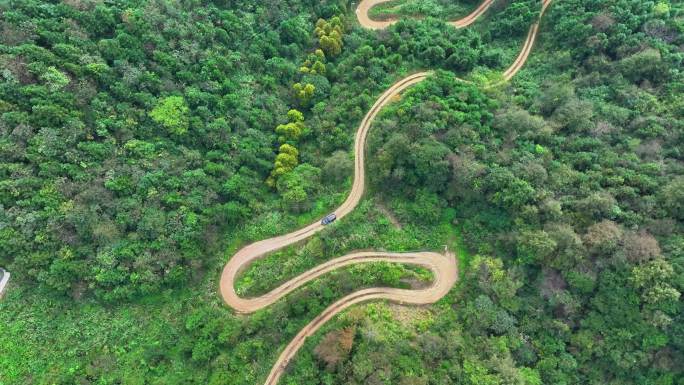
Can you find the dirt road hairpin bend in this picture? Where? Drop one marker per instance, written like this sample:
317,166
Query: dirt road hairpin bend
443,266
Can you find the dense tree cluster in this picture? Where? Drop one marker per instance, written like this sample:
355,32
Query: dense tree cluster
297,184
136,139
572,185
329,34
130,133
314,64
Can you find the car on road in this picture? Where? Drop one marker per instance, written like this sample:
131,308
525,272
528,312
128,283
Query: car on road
4,278
330,218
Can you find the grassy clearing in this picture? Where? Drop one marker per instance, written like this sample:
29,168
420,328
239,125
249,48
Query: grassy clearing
443,10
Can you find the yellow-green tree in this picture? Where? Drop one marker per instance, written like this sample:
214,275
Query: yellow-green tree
329,34
303,92
653,278
172,113
286,160
314,64
292,130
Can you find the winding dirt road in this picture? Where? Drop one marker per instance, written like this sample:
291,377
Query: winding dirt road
443,266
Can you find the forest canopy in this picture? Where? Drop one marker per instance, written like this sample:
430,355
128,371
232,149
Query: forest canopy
143,142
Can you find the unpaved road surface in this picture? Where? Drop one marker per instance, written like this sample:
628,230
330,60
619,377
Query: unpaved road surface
443,266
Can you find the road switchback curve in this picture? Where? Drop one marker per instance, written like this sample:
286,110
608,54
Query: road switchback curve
443,266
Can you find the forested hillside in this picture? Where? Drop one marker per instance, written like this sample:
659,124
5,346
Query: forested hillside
143,142
132,132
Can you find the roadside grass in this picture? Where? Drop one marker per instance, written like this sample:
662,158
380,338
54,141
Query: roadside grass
364,229
443,10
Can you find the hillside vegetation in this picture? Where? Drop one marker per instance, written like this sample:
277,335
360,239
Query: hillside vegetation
143,142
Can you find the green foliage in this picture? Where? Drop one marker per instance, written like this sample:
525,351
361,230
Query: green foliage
535,246
661,8
442,9
566,185
654,279
516,18
54,79
285,161
303,93
130,203
552,181
330,34
315,64
172,113
673,197
646,64
295,30
292,130
295,187
408,159
338,167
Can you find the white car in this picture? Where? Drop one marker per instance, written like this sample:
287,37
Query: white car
4,278
330,218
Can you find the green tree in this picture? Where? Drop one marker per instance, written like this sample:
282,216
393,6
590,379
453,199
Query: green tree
303,93
329,34
54,79
296,186
653,278
534,246
292,130
661,8
672,196
285,161
172,113
338,167
645,65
